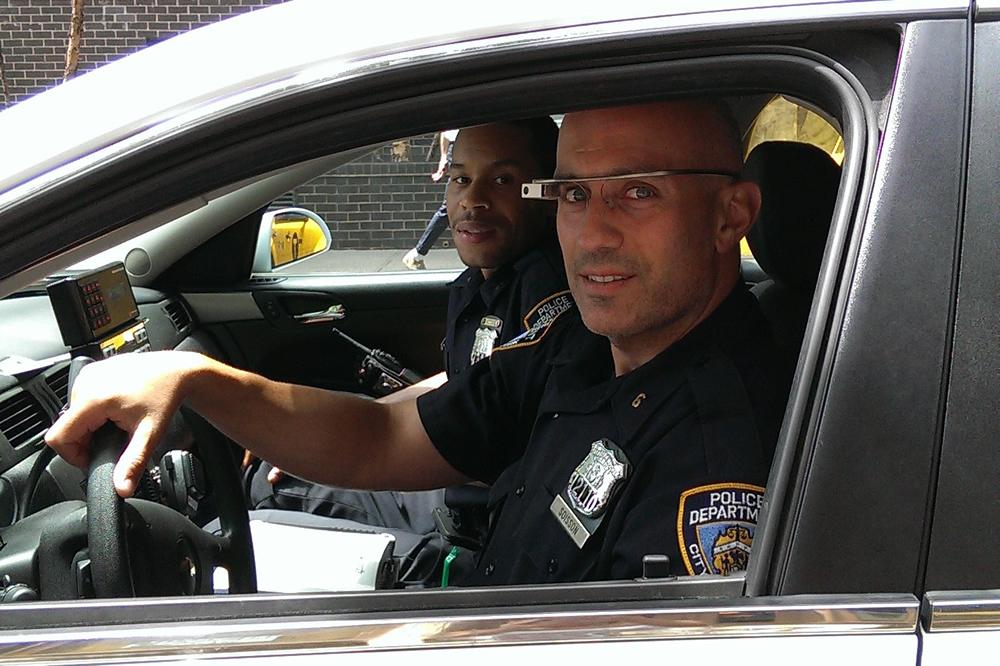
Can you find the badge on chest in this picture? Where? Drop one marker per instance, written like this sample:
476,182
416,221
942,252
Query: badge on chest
582,505
486,336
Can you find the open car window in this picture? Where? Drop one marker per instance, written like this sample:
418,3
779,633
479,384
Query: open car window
377,207
380,185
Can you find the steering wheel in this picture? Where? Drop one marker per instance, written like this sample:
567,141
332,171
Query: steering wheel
143,548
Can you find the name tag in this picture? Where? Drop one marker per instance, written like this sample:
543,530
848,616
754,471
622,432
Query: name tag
574,528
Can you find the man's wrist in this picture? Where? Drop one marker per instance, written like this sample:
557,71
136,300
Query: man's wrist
200,376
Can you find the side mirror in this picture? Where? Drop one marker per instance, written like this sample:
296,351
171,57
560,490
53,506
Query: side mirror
287,235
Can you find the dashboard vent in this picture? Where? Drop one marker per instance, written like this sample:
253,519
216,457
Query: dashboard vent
22,418
58,381
178,315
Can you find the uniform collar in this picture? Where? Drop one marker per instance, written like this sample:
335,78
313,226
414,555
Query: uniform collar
547,249
583,373
472,283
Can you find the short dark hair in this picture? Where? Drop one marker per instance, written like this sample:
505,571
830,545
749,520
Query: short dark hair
543,135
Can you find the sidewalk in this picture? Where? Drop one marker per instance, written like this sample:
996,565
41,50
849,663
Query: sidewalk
372,261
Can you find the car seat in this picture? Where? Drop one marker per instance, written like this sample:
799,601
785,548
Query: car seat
799,184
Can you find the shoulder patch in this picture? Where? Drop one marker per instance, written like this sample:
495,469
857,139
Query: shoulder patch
716,525
539,319
548,309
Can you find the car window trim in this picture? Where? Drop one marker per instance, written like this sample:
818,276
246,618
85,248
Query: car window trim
961,610
326,633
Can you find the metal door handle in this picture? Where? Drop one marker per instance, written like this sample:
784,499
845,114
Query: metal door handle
332,313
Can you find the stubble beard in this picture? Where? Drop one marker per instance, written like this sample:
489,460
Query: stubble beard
607,313
640,318
653,317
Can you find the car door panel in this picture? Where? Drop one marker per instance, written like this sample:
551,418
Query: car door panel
771,631
764,651
275,329
961,613
880,416
960,627
963,541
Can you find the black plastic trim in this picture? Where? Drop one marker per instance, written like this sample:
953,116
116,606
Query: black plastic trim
840,420
939,433
805,401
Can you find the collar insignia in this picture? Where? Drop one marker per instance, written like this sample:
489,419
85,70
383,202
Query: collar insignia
716,525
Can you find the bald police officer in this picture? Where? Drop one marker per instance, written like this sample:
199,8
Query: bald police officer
639,422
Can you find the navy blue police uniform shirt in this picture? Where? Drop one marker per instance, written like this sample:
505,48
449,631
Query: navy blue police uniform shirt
481,313
590,472
484,313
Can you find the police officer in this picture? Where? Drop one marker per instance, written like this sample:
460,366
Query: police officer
514,277
639,423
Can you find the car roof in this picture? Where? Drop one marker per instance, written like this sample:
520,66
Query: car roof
275,47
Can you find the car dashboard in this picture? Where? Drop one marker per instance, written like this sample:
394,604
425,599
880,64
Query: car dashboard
34,383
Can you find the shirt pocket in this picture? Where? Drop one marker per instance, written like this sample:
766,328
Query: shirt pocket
499,492
546,547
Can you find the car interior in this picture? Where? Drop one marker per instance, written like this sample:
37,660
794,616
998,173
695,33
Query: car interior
190,273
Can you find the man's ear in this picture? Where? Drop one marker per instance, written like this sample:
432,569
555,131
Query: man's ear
740,204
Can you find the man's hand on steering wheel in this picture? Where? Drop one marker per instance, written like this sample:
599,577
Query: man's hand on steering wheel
139,394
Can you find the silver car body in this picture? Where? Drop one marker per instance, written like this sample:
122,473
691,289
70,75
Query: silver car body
205,77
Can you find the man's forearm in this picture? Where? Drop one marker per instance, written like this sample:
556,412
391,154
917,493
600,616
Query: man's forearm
416,390
325,436
334,438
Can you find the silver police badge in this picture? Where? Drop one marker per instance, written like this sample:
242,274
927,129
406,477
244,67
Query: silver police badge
593,480
589,491
486,336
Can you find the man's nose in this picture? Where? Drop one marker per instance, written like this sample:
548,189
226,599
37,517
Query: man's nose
598,228
475,196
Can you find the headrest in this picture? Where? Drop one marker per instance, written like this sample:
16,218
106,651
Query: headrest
798,184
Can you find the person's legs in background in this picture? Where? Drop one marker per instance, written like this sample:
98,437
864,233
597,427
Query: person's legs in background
414,259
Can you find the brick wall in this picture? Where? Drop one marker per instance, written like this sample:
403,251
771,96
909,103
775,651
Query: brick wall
378,201
34,33
381,200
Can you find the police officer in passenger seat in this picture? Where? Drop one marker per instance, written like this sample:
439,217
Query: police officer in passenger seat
640,422
515,279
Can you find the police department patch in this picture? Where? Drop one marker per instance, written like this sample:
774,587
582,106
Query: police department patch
547,310
716,525
538,320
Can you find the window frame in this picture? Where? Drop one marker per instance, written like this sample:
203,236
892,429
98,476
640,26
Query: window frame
797,71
